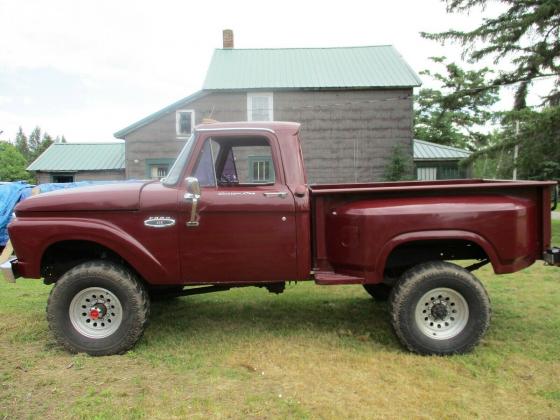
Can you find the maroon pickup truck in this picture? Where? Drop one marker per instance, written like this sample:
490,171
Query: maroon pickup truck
235,210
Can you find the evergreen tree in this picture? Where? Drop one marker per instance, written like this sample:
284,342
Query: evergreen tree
42,146
447,115
399,167
34,141
527,33
21,144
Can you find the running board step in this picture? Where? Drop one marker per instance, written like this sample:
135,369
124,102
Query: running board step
330,277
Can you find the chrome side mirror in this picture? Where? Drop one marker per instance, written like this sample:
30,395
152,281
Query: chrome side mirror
192,196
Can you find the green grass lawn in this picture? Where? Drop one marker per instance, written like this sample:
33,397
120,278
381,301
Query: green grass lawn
315,351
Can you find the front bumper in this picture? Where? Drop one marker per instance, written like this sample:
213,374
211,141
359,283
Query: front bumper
552,256
9,270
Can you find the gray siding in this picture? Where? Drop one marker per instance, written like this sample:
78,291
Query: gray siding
158,140
45,177
347,136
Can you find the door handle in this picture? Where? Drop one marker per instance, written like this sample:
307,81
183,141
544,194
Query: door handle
280,194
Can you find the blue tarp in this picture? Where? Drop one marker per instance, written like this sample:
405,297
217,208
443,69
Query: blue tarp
12,193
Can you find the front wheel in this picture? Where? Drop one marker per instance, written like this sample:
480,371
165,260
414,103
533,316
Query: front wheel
439,308
99,308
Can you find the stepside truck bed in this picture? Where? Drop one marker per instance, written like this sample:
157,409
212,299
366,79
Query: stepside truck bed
360,230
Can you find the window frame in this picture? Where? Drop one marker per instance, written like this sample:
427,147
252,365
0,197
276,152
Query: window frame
63,174
157,162
271,139
251,159
177,121
269,96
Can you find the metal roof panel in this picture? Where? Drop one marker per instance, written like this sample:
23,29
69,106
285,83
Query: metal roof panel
315,68
425,150
80,157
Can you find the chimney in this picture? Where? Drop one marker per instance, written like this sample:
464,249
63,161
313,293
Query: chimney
228,38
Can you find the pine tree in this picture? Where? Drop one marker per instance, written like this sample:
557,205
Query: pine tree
34,142
43,145
447,115
527,33
21,144
399,167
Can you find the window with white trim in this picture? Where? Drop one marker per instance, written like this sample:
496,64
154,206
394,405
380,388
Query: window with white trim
184,122
426,174
261,169
260,106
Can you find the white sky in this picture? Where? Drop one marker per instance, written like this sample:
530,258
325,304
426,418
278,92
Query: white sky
88,69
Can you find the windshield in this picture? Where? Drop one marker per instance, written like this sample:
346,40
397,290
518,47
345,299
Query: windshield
175,171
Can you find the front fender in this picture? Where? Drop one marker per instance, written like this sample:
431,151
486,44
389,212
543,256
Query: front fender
31,237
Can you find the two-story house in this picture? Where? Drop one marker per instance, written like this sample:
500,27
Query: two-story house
354,103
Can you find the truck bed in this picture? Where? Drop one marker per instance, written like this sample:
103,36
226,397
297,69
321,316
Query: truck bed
358,229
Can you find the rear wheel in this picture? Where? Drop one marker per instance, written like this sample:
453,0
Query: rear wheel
439,308
99,308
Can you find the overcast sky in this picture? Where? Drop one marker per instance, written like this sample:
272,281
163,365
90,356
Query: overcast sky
88,69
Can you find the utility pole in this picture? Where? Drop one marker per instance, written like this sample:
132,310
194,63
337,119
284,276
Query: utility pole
516,150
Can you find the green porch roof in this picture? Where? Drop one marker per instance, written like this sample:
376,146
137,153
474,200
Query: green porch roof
312,68
425,150
80,157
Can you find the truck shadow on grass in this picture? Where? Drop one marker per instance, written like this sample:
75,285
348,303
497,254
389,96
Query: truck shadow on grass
235,317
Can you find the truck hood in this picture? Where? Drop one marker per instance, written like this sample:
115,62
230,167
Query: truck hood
108,197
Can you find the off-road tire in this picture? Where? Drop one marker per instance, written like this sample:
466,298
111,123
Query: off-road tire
418,282
116,279
380,292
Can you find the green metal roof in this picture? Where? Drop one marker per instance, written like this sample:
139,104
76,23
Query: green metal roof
80,157
158,114
424,150
315,68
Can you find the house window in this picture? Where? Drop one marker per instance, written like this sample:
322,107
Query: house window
426,174
260,106
261,169
158,168
62,178
184,122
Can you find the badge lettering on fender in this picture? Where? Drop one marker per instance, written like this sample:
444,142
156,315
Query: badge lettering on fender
159,222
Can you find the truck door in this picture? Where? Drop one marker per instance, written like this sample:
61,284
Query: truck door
243,226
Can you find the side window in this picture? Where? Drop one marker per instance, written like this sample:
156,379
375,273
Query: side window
245,161
227,161
205,169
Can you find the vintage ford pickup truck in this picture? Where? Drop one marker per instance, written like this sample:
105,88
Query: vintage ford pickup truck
235,210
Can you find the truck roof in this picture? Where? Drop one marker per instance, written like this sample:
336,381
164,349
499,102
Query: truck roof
275,126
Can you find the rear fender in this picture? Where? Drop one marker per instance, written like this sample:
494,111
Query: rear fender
436,235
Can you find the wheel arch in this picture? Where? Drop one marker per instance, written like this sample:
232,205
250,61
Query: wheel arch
427,243
65,252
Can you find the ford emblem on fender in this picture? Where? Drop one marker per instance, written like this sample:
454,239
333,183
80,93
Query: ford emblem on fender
159,222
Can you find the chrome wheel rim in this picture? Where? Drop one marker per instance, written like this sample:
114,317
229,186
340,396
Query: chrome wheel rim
95,312
441,313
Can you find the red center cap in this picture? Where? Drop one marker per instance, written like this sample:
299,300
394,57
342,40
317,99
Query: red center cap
94,313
